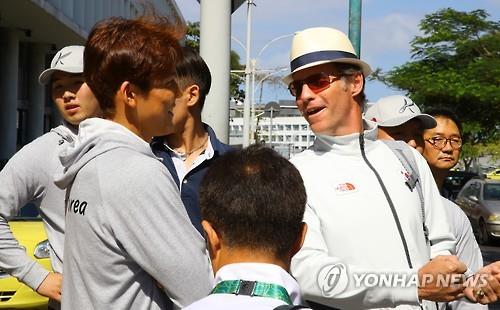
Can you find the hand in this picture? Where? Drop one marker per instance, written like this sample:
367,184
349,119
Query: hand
51,286
484,286
441,279
493,269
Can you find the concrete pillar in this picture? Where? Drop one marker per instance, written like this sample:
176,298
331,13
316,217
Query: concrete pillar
215,46
9,61
36,95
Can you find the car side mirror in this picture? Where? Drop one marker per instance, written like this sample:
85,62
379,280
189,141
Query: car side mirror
473,198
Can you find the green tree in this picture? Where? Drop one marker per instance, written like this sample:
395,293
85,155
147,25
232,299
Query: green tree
192,40
456,64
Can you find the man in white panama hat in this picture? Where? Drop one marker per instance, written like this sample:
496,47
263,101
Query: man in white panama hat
364,215
28,176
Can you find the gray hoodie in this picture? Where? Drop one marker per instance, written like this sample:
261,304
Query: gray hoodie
129,242
28,177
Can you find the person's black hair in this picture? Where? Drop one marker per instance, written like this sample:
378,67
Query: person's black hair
446,113
255,199
192,69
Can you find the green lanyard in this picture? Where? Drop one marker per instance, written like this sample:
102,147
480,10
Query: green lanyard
252,288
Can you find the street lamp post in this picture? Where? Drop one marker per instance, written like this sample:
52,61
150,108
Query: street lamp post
246,105
250,70
260,82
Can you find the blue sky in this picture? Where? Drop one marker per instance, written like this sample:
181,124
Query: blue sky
387,28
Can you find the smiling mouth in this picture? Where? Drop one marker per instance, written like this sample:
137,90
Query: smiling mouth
313,111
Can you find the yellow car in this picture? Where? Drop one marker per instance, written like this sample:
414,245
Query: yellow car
28,229
495,174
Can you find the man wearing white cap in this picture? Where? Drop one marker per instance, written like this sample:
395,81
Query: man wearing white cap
28,176
364,214
399,118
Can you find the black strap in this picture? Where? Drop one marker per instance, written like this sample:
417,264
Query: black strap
388,198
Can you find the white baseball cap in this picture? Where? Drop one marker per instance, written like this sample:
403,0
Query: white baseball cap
396,110
68,59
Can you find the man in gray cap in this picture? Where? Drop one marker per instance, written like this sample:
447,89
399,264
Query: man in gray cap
28,175
364,215
399,118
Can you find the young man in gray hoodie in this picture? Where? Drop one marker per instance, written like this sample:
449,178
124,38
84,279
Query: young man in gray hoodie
129,241
28,176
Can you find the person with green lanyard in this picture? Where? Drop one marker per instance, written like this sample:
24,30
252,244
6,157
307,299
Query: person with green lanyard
253,223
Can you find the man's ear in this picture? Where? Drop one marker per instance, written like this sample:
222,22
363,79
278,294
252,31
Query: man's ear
128,92
357,83
300,239
193,94
214,241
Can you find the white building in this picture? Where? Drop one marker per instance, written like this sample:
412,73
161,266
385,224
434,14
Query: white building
31,32
288,132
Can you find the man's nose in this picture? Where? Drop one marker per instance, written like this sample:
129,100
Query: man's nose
447,148
68,95
306,93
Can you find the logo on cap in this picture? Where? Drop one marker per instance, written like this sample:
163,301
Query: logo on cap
407,105
60,57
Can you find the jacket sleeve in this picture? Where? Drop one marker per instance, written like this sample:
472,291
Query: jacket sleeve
152,225
20,183
440,234
327,280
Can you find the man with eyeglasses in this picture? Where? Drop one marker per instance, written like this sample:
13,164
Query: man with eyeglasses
437,135
442,148
363,212
443,144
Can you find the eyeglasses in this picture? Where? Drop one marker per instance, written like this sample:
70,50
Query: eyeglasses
317,83
440,142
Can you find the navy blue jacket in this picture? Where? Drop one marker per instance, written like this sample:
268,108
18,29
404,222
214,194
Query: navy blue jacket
191,184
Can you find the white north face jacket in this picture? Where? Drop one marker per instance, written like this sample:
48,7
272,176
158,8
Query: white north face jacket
353,255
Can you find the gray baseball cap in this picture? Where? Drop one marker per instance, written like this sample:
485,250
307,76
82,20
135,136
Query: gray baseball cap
68,59
396,110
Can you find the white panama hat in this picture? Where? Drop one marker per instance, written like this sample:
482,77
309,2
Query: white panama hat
68,59
319,45
396,110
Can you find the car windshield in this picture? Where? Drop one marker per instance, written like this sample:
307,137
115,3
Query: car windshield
491,191
28,212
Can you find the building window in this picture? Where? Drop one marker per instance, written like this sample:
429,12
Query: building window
295,127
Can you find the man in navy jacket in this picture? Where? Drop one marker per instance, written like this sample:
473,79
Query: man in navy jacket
190,149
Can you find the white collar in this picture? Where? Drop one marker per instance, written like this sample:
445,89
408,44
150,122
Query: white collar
348,144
